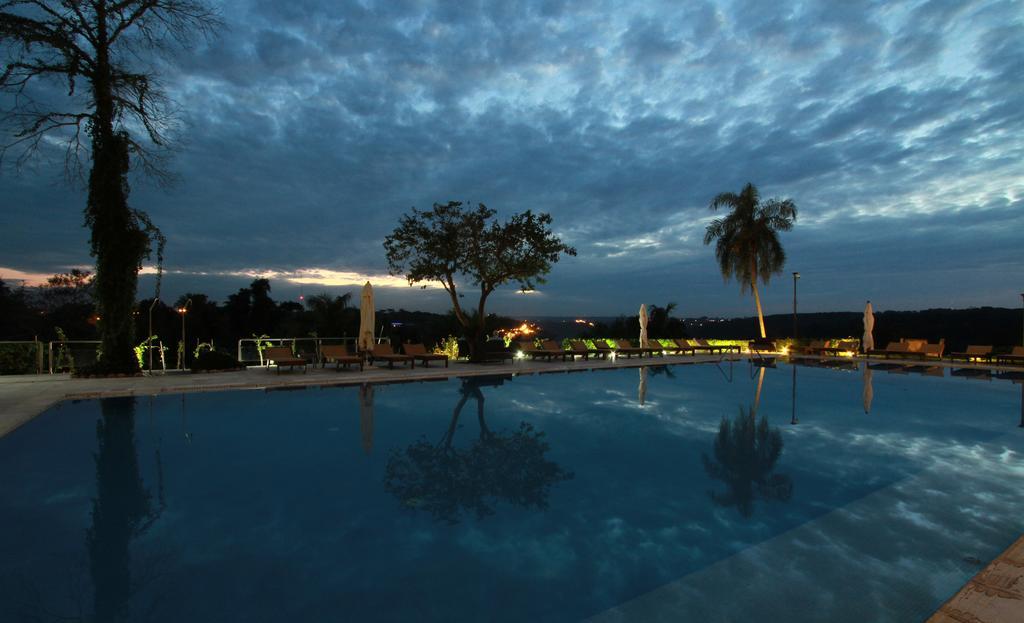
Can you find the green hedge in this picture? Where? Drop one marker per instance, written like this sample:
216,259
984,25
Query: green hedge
18,359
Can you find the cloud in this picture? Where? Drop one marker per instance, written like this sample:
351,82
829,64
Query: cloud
312,126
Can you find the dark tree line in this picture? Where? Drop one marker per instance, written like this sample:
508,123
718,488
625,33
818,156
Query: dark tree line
660,324
68,302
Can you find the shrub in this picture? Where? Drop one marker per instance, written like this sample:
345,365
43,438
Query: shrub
214,360
17,358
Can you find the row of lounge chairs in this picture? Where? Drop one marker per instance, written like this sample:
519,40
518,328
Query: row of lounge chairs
821,347
550,349
921,349
918,349
339,355
986,353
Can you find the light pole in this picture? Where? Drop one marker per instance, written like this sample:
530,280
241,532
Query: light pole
184,346
795,277
149,337
1022,319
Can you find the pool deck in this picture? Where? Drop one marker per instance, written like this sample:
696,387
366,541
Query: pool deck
994,595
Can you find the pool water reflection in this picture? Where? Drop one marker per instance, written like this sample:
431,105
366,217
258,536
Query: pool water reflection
551,497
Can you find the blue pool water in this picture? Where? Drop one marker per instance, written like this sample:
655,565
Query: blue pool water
554,497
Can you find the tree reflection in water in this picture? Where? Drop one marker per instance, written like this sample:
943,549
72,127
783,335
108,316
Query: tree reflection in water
446,481
745,454
121,510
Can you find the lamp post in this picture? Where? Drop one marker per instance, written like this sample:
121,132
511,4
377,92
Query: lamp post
149,337
795,277
184,346
1022,319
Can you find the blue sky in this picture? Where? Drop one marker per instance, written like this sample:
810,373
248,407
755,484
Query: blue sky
309,127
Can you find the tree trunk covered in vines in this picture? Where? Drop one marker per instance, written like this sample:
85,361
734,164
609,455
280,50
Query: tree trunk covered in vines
117,242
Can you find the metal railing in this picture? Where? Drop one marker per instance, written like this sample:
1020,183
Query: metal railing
75,352
310,346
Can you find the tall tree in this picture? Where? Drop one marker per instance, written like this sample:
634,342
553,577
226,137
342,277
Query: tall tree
101,43
747,239
451,241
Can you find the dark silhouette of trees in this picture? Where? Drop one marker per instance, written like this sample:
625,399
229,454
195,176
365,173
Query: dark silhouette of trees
451,241
99,44
660,324
447,481
745,453
333,316
748,246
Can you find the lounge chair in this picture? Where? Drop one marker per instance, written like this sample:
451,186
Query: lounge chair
419,353
384,352
338,355
1014,357
843,347
934,351
623,347
973,351
683,347
891,349
279,356
814,348
579,347
761,346
602,346
655,348
549,350
724,348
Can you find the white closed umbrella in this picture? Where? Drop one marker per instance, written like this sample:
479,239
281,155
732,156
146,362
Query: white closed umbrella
643,326
367,319
868,341
642,389
869,391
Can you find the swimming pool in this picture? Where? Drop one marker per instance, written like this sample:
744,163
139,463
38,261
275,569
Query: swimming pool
553,497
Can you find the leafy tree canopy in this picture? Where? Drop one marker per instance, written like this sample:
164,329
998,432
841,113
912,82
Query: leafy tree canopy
452,242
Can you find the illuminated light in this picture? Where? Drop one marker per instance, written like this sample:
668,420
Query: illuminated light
524,329
182,310
520,355
584,322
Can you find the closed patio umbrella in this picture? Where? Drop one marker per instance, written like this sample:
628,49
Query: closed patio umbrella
868,341
367,319
869,391
643,326
366,416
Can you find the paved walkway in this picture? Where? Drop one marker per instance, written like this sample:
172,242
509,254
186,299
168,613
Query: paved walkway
995,595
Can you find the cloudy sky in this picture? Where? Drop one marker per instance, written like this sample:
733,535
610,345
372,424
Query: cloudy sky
310,126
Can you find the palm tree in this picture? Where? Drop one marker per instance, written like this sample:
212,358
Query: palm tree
748,246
